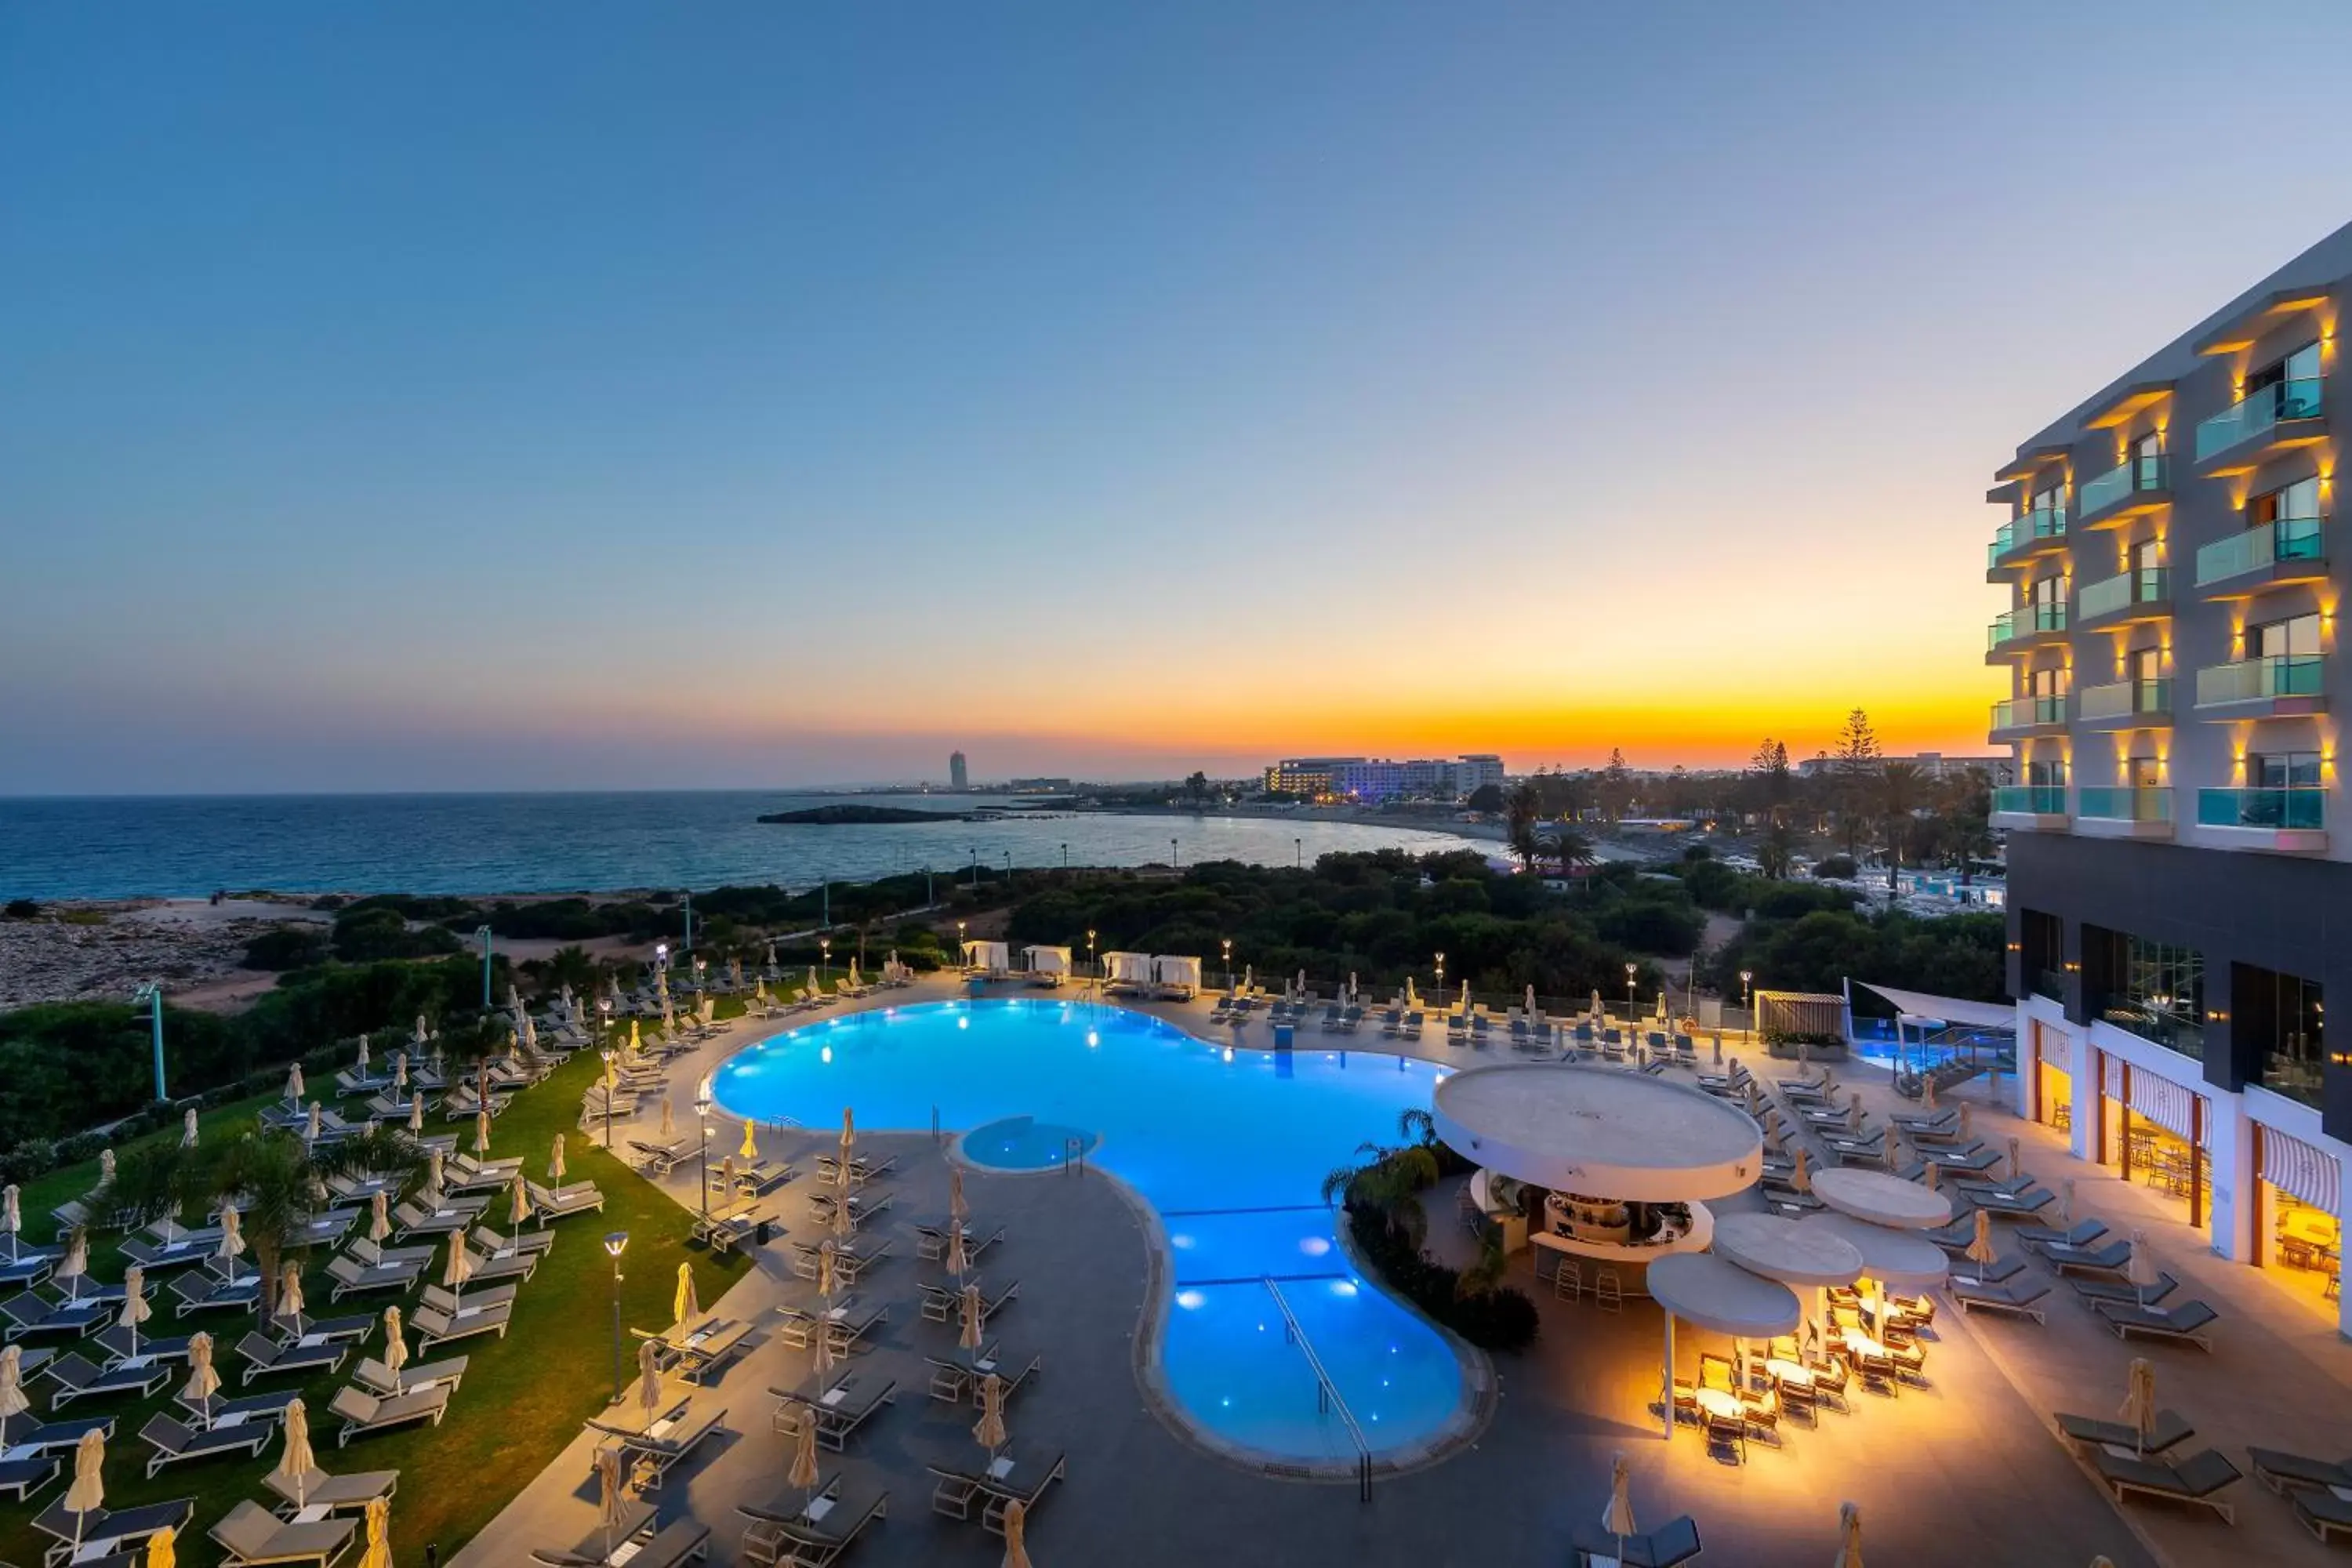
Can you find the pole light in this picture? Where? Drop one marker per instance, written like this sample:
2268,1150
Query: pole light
615,1243
702,1114
1747,997
1229,963
1299,853
482,935
1629,992
1441,980
689,919
150,996
608,1054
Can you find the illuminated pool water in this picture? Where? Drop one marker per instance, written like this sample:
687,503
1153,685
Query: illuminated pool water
1230,1147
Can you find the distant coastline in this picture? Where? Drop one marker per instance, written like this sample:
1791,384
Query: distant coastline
856,816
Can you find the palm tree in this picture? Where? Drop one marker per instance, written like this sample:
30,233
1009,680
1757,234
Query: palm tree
1777,849
1522,808
1569,845
1388,1182
1900,786
279,1182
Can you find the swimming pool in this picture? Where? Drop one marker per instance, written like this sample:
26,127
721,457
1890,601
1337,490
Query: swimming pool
1230,1147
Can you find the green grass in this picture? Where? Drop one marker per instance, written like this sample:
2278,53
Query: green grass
45,1192
524,1396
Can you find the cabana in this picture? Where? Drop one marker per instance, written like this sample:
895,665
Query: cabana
1048,965
1129,971
992,958
1177,975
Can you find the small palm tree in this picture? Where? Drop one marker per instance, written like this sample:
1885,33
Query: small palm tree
1778,850
279,1182
1569,845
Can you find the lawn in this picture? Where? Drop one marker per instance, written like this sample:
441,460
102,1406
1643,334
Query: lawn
524,1396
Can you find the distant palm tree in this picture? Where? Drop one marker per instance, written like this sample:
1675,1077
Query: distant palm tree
1901,790
1569,845
1521,810
1779,848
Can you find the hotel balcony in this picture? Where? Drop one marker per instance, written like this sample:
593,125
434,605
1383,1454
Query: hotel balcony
2041,532
2292,821
2026,628
2292,550
2030,808
2118,601
2134,486
2020,717
2126,702
2265,421
2124,811
2281,687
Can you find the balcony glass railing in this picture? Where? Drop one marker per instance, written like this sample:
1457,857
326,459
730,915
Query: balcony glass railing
2257,413
2024,621
2254,680
2039,800
2134,476
2149,586
2157,1018
2300,807
2127,699
2125,802
2026,528
2018,713
2288,539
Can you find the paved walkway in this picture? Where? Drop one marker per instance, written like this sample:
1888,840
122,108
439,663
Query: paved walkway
1965,1472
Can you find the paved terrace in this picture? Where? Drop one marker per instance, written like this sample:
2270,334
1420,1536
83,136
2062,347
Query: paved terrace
1969,1470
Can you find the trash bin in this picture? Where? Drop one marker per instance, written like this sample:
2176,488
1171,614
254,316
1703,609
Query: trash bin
766,1228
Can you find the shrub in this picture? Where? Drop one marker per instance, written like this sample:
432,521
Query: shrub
1835,869
286,947
21,909
1502,1318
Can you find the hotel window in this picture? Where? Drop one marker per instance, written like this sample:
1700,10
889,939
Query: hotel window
2297,636
2051,501
2041,954
2147,461
2143,665
2046,772
2282,770
2300,499
2045,683
2277,1019
2297,379
2153,989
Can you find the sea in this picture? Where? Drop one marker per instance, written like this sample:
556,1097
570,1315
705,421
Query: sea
189,846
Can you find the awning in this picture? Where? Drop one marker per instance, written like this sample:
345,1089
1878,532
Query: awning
1714,1294
1772,1248
1949,1009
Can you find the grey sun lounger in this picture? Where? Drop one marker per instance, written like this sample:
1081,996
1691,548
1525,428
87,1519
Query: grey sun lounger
818,1535
950,1380
2279,1471
2185,1323
2125,1292
536,1243
28,1438
104,1532
931,1243
2111,1259
2000,1271
695,1351
263,1410
2199,1480
861,1210
311,1331
74,1378
207,1292
670,1438
2171,1430
116,1342
455,1214
188,1246
2322,1512
852,1256
661,1158
2005,1205
2020,1297
2082,1234
20,1479
378,1256
434,1326
352,1278
561,1203
250,1536
169,1441
375,1377
363,1413
838,1412
846,1331
1673,1542
264,1355
29,1313
512,1265
678,1543
355,1489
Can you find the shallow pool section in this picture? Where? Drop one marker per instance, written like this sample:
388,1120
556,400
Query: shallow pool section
1230,1147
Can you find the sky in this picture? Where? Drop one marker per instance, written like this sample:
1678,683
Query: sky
435,396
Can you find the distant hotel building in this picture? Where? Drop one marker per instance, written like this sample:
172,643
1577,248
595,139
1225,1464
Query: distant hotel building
958,778
2178,891
1373,782
1997,770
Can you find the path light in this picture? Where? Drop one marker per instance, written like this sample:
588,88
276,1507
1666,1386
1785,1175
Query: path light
615,1243
1629,992
1747,997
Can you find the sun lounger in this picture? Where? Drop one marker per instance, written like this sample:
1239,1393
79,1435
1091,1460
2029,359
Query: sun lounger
2183,1324
20,1479
951,1379
493,1245
170,1441
861,1169
861,1208
2123,1290
74,1378
355,1489
250,1536
27,1437
316,1330
2021,1297
852,1256
2324,1513
363,1413
256,1409
1675,1541
561,1203
648,1453
2171,1429
2008,1205
105,1534
264,1355
838,1412
757,1181
2280,1470
435,1326
375,1255
2000,1270
512,1265
2111,1259
2199,1479
205,1292
455,1214
352,1278
931,1241
154,1257
695,1350
660,1159
817,1535
675,1545
374,1377
28,1313
29,1267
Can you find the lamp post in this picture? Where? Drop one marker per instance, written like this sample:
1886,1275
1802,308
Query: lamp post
1441,982
482,935
603,1019
1229,964
615,1243
608,1053
150,996
702,1115
1299,853
661,955
688,942
700,963
1066,857
1172,855
975,867
824,955
1748,999
1090,955
1629,995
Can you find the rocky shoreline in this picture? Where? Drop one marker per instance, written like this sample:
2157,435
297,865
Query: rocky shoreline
96,949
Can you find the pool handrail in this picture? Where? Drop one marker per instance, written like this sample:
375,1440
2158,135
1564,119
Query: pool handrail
1293,1332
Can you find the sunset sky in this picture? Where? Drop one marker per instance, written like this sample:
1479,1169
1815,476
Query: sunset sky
439,396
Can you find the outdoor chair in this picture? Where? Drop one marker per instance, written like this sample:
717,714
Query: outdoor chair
363,1413
76,1378
169,1441
2322,1512
2280,1470
2199,1479
1671,1543
109,1532
250,1536
2171,1429
264,1355
436,1325
2123,1290
2183,1324
375,1377
317,1489
2018,1299
812,1537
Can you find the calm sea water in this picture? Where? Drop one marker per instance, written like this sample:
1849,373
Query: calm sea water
189,845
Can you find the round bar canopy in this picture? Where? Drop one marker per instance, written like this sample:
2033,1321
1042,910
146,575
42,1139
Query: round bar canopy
1898,1260
1795,1254
1882,1198
1601,1131
1713,1293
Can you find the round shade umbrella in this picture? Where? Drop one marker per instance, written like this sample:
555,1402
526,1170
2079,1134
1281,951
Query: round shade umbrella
1980,1249
12,1401
1849,1537
296,1463
75,1265
289,1293
433,1179
481,1133
803,1471
2016,1168
975,1322
460,1267
379,1534
1617,1519
380,1217
232,1239
416,1112
202,1381
828,1270
2140,1268
957,1210
395,1346
88,1493
162,1548
958,1259
135,1309
669,1117
989,1430
750,1150
1016,1534
519,1203
649,1384
188,1129
2139,1401
294,1085
686,1307
555,1161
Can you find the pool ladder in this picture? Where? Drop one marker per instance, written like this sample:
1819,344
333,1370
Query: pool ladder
1328,1398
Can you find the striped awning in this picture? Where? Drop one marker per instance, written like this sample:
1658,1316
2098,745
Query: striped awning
2304,1174
2162,1101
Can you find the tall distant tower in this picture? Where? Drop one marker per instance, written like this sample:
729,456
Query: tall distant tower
957,778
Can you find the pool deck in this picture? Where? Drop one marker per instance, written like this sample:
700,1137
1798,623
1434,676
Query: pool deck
1969,1470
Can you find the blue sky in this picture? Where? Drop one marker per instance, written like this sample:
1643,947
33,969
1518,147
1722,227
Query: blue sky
438,396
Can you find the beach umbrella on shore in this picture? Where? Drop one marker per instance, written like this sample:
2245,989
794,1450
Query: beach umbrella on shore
1528,1002
821,1359
989,1430
395,1347
1849,1537
135,1309
75,1265
12,1401
296,1462
416,1113
202,1381
232,1240
1617,1518
2139,1401
649,1383
1016,1534
380,1216
555,1163
1465,993
379,1534
88,1492
518,1201
803,1471
188,1129
750,1150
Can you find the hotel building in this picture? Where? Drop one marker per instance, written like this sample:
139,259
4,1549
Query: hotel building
2180,897
1373,780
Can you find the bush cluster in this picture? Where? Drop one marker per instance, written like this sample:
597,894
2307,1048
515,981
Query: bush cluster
1502,1318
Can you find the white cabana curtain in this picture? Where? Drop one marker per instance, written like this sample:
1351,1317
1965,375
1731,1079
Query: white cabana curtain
988,954
1176,968
1133,967
1048,960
